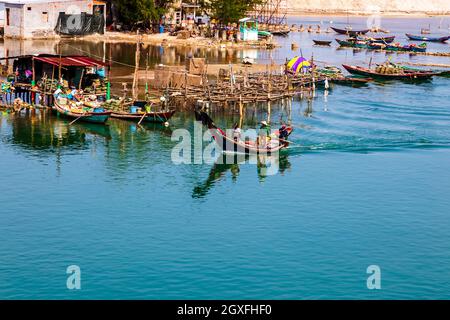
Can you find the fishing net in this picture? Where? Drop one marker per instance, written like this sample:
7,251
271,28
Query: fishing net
80,24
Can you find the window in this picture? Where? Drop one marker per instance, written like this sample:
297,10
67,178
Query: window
29,8
7,16
44,16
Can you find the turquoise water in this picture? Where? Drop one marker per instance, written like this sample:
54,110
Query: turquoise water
366,182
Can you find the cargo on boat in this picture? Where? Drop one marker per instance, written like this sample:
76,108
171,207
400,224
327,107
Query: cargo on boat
389,71
81,111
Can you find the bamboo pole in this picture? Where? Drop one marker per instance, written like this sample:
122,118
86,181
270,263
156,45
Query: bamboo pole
136,68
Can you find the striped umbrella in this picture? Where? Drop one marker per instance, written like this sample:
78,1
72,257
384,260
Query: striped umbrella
297,63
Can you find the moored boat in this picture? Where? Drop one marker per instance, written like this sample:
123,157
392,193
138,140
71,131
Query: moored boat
322,42
382,39
155,111
280,33
353,44
151,117
429,39
350,31
78,111
390,73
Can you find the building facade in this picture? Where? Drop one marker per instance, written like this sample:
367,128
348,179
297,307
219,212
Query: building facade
25,19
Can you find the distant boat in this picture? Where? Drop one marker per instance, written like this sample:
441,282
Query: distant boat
322,42
430,39
350,31
281,33
353,43
264,34
382,39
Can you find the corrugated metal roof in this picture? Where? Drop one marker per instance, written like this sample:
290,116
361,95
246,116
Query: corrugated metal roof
72,61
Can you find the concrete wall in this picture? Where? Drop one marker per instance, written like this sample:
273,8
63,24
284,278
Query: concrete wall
2,15
367,6
38,20
14,29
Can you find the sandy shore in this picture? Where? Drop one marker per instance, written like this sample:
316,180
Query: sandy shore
162,39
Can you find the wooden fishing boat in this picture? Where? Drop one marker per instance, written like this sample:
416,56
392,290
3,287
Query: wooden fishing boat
350,31
351,80
81,112
353,44
429,39
150,117
407,48
382,40
400,75
228,145
322,42
419,48
280,33
376,46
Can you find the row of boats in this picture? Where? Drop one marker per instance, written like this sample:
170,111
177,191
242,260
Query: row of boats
93,111
355,33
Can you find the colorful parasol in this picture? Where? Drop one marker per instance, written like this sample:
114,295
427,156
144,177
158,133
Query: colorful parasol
298,63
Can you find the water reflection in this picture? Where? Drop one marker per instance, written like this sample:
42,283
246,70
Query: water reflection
39,130
266,166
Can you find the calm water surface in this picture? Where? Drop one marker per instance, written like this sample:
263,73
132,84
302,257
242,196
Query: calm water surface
366,182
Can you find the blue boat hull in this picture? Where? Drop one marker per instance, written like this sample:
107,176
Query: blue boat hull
429,39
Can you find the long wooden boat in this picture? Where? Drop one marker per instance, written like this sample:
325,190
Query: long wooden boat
322,42
280,33
93,115
229,145
382,39
353,44
404,75
351,80
350,31
430,39
151,117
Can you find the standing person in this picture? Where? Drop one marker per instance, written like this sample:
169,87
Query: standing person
236,133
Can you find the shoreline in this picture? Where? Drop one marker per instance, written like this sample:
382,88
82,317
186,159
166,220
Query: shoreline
344,13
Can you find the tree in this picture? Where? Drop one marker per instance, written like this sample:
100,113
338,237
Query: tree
229,11
145,11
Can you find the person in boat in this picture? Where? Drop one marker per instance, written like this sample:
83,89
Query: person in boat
236,133
283,134
73,94
264,134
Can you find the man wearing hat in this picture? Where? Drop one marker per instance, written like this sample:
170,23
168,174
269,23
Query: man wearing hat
283,134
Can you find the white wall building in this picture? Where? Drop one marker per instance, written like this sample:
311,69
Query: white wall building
26,19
